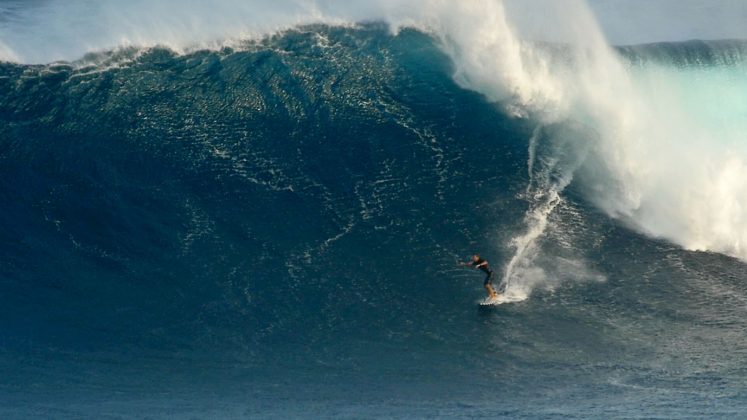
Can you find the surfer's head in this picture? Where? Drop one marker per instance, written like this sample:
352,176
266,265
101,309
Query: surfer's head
475,257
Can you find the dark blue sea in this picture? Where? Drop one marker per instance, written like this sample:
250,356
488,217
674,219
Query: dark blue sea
273,231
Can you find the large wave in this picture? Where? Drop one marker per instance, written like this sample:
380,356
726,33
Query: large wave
240,208
665,145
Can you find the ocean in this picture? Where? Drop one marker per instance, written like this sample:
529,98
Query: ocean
270,227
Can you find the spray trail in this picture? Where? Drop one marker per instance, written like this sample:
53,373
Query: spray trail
556,152
521,273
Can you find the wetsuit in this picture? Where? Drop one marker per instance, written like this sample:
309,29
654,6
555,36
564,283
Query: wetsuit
484,267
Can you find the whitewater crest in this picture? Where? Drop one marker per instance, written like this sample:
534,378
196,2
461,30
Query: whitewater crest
668,155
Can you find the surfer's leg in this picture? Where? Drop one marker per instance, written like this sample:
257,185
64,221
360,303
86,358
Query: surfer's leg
489,287
491,291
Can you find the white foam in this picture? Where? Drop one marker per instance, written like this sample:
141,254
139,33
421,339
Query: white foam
670,157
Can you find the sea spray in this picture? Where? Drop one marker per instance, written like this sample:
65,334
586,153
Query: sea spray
670,154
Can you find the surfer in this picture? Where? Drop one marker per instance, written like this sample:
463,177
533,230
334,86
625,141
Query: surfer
482,264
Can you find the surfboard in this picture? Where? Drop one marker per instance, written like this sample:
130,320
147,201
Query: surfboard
502,298
494,301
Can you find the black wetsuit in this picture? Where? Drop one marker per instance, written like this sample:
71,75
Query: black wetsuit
486,268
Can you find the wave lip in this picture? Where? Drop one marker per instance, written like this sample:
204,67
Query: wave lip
40,32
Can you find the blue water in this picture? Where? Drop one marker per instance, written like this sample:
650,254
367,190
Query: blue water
272,232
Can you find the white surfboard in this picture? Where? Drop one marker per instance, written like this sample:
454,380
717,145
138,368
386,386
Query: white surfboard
492,301
502,298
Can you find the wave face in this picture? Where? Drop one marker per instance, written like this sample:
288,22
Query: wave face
646,139
271,229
